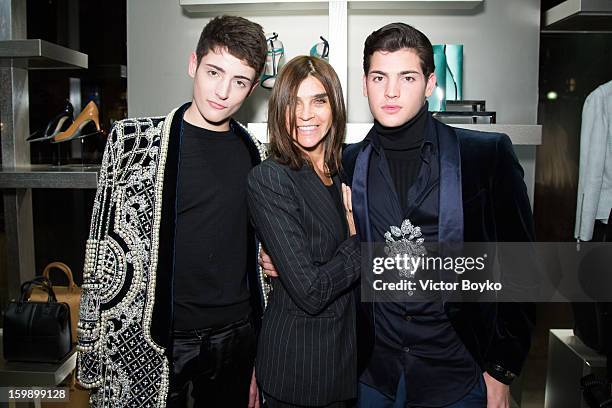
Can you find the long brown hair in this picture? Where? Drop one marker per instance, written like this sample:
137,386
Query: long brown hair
282,106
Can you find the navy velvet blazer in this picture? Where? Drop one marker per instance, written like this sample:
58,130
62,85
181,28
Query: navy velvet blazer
483,198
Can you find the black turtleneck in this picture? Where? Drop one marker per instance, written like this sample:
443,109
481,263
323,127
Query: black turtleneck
402,146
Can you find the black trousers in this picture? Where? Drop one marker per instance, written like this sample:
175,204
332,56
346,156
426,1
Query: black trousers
217,362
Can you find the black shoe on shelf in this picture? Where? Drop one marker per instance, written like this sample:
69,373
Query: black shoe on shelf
59,123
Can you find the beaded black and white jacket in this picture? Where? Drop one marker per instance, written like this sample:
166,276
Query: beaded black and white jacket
126,305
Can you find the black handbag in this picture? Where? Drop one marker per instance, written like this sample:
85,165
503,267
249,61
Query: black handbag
36,331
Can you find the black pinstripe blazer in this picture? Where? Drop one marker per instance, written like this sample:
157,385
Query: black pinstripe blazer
306,352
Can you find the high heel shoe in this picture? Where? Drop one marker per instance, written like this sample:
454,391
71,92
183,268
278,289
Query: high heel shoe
320,49
58,124
276,51
86,124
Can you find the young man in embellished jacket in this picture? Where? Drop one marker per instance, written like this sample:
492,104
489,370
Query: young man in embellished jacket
172,294
453,185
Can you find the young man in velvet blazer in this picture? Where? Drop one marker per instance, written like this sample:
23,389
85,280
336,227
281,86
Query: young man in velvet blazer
457,185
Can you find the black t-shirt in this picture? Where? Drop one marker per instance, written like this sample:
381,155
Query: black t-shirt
210,287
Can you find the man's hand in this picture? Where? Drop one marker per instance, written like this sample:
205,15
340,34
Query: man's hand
498,394
266,264
253,392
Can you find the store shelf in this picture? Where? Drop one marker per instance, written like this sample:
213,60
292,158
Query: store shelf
47,176
271,6
216,6
414,4
40,54
580,15
519,134
18,374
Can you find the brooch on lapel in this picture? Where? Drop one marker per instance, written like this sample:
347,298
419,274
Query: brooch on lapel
405,241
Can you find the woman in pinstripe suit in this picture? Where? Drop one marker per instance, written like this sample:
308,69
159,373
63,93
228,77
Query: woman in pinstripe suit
306,351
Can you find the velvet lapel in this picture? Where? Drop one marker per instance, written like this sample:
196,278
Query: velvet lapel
450,219
359,193
361,216
161,324
318,198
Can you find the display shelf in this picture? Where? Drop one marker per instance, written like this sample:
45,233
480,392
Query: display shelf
21,374
216,6
413,4
47,176
271,6
569,359
40,54
579,15
355,132
36,374
451,116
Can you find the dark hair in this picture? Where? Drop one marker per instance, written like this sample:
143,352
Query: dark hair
395,36
242,38
282,107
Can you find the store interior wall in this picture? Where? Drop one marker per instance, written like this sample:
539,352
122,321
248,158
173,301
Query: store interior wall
501,50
